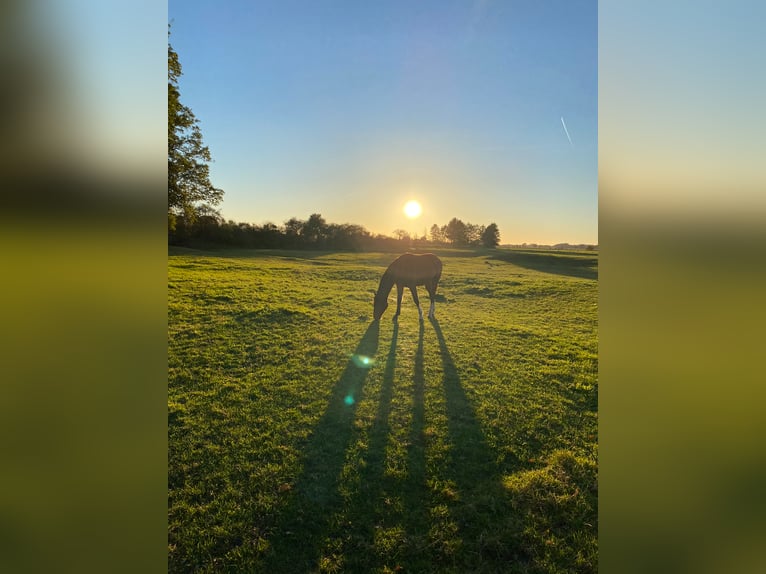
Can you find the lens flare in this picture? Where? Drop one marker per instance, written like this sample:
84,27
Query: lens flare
349,400
363,361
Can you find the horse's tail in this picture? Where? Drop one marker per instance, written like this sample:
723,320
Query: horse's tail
437,271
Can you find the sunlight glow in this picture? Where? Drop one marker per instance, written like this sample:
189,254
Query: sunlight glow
412,209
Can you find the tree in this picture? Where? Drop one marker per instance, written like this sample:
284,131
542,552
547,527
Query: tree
456,232
473,233
491,236
346,236
315,229
189,189
436,234
401,235
293,227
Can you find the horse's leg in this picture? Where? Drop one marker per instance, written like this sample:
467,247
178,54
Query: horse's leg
432,296
414,291
399,293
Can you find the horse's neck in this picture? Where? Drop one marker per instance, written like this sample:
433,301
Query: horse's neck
386,283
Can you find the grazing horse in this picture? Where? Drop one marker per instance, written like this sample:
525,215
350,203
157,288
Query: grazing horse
408,270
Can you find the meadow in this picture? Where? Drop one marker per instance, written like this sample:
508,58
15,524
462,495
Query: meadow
304,437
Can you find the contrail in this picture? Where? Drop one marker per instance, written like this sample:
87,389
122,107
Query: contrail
566,131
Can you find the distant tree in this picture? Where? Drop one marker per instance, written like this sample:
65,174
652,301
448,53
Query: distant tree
347,236
315,230
293,226
209,225
473,233
401,234
456,232
189,186
491,236
268,236
270,228
436,234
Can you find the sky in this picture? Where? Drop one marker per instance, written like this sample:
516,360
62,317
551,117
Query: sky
484,110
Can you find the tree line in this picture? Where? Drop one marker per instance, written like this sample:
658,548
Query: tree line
209,228
458,233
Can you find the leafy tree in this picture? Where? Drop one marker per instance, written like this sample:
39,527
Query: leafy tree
314,229
401,234
457,232
292,229
491,236
190,192
293,226
268,235
436,234
473,233
480,234
346,236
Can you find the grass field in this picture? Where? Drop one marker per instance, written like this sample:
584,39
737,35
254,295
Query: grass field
303,437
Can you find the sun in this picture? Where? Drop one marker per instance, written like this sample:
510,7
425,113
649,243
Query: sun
412,209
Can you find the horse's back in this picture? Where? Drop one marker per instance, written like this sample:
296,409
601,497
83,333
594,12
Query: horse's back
418,268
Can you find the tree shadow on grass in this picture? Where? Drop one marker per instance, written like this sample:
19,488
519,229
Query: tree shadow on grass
584,266
302,526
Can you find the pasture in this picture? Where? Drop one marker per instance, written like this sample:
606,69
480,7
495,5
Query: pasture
304,437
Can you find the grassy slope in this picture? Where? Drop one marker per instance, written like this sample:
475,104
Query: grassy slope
468,444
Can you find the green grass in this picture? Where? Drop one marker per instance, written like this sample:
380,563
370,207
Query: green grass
464,444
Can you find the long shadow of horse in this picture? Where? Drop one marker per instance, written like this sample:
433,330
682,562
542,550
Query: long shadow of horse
585,266
489,522
483,504
305,520
385,501
367,510
416,489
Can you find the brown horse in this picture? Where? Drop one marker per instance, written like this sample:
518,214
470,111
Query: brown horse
408,270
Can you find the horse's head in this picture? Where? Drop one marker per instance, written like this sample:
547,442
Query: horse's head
381,304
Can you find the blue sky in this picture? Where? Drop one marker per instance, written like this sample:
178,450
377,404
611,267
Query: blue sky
349,109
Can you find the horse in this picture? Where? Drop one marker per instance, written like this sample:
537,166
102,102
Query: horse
408,270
